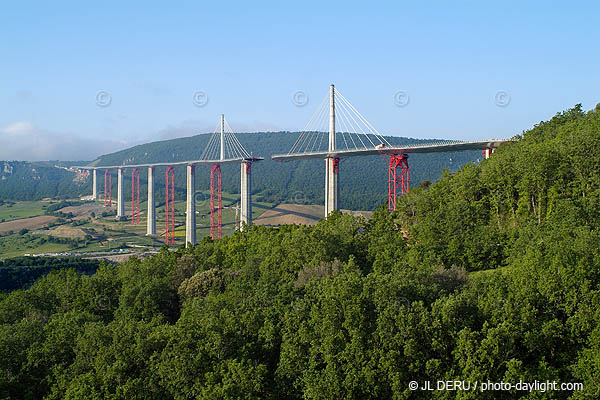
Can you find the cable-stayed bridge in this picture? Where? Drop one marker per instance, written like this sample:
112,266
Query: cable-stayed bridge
350,134
336,130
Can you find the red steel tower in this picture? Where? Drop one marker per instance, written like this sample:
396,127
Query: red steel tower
397,179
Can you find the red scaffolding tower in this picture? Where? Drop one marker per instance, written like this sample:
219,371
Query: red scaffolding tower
397,179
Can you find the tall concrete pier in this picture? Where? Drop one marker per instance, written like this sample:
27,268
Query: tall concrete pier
331,163
94,185
246,194
120,198
151,215
190,214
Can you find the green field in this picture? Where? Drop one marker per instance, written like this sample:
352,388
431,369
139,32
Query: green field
10,211
17,245
103,233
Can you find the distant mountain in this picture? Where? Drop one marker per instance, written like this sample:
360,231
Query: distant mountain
363,180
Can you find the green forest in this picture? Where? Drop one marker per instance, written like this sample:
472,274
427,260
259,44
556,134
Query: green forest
491,273
23,180
363,181
21,272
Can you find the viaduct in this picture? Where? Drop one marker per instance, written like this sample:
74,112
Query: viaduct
360,138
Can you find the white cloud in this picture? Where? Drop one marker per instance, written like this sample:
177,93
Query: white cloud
23,140
18,128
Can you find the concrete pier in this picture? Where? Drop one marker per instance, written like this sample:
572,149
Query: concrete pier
246,194
190,214
94,185
331,164
120,199
151,215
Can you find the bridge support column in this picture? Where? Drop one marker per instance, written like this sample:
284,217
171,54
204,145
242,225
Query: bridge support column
120,199
246,195
190,213
151,215
332,168
94,185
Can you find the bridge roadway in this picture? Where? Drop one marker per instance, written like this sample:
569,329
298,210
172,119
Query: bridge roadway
398,169
437,147
171,164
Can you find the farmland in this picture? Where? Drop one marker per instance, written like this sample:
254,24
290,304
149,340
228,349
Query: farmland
84,227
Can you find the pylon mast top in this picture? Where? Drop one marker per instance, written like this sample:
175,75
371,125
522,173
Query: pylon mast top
222,154
331,118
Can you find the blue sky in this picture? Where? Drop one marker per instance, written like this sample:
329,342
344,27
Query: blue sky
251,57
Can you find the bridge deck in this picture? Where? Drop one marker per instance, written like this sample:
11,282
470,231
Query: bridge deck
416,148
172,164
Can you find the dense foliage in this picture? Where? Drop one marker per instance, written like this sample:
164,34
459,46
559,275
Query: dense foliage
492,273
363,182
21,272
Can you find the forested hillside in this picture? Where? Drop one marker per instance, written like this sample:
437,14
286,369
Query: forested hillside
363,182
490,274
20,180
